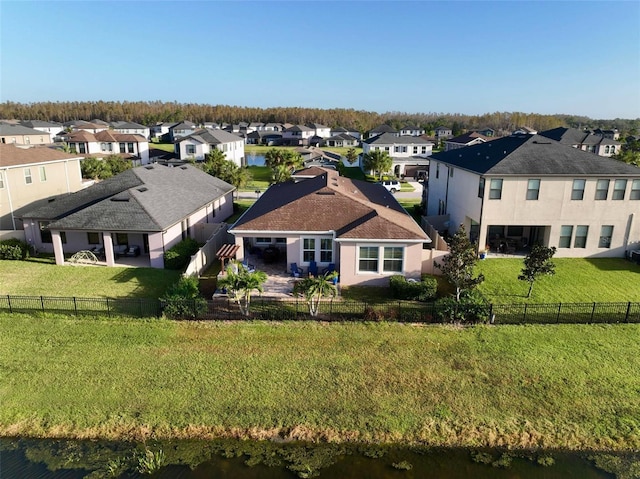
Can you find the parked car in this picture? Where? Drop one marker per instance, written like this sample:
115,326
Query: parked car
391,185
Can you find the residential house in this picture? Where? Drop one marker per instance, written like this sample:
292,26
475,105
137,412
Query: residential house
379,130
320,130
466,139
297,135
443,133
271,127
31,176
182,129
411,130
153,207
610,134
46,126
95,126
264,137
197,145
353,132
22,135
371,239
583,140
488,132
529,189
162,130
342,140
404,150
105,143
131,128
525,130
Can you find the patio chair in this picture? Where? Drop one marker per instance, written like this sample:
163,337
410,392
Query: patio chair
248,266
329,269
313,268
296,271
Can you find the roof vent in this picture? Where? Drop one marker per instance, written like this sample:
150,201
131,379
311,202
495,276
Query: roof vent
143,189
122,199
149,167
183,167
51,200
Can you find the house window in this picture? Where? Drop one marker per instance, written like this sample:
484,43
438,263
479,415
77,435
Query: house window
424,149
533,189
635,190
93,238
580,240
606,149
45,234
122,238
103,147
27,176
415,150
123,148
393,257
396,149
263,240
191,149
565,236
619,188
481,188
130,147
368,261
43,173
515,230
606,232
495,190
602,189
326,250
577,193
1,180
308,249
82,148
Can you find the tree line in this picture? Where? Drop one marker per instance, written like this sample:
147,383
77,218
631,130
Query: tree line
151,112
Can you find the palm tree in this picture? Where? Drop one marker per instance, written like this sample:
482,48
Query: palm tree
378,161
315,288
240,284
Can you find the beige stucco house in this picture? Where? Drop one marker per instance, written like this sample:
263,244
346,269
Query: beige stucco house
23,135
524,189
328,219
30,177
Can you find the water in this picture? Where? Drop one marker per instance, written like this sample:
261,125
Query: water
255,160
48,459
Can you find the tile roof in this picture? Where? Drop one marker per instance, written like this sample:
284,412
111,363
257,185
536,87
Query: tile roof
329,202
13,155
147,198
519,155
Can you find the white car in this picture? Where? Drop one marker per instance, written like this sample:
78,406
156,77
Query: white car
391,185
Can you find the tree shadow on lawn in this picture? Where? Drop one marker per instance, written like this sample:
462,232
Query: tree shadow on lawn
151,283
614,264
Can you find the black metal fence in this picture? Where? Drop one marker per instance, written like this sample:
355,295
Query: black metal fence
287,309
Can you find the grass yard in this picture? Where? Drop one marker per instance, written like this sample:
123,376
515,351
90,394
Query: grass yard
577,280
565,386
41,277
169,147
261,178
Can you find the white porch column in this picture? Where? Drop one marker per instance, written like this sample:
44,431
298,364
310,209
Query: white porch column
156,250
108,248
57,247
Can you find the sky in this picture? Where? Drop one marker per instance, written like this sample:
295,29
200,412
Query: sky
547,57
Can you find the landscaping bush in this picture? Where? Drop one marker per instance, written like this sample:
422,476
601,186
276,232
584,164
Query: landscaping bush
179,255
183,300
14,249
472,308
423,290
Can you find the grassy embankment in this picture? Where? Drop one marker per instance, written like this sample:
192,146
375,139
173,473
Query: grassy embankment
568,386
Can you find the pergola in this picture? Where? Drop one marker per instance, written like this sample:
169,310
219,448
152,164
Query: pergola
226,251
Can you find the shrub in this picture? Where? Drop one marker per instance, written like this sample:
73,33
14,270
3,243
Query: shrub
423,290
14,249
182,300
178,256
472,308
402,465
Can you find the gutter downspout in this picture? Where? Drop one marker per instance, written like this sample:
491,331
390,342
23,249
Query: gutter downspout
13,218
480,222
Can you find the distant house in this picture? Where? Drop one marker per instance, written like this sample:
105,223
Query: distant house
22,135
264,137
466,139
342,140
443,133
182,129
529,189
404,150
105,143
52,128
411,130
525,130
610,134
582,140
371,239
131,128
297,135
196,145
379,130
160,130
153,207
89,126
31,176
353,132
320,130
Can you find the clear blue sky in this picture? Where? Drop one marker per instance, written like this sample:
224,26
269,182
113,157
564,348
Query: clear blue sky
547,57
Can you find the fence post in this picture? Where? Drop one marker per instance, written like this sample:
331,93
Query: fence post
331,309
9,302
108,310
75,306
558,316
42,303
491,317
524,313
593,311
626,316
141,309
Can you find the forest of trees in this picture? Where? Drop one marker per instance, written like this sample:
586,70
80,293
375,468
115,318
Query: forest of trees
151,112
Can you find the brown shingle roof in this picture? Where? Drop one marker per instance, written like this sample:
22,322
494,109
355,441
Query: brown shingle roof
11,155
328,202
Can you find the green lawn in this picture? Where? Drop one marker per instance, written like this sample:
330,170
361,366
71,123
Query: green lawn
576,280
261,178
565,386
41,277
162,146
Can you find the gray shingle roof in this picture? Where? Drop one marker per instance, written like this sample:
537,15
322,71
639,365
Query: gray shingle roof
573,136
383,129
390,139
6,130
519,155
147,198
212,137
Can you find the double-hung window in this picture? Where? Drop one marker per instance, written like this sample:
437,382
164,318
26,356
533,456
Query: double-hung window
634,194
533,189
368,259
481,188
393,257
602,189
495,189
577,192
308,249
565,236
27,176
580,240
43,173
619,188
326,250
606,232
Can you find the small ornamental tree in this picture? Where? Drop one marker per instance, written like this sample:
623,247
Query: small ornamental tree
315,288
537,263
351,156
240,284
458,265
